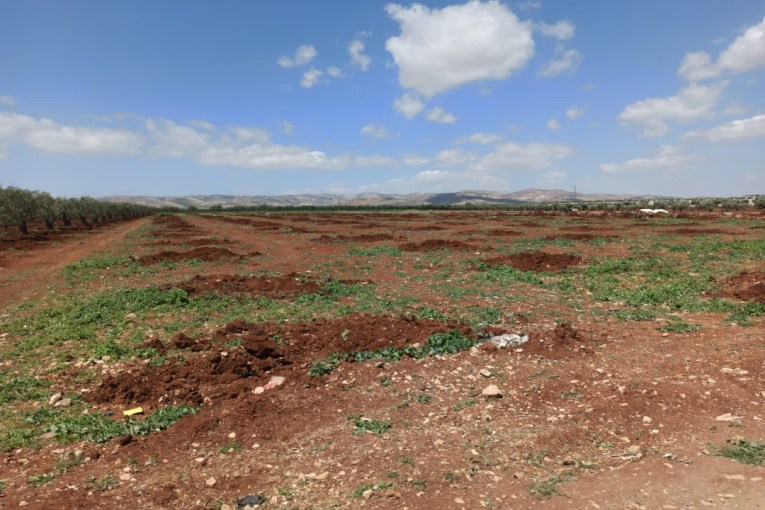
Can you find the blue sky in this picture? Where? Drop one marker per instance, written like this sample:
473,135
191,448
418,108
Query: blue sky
346,96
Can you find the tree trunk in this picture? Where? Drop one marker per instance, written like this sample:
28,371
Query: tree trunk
66,219
23,227
49,224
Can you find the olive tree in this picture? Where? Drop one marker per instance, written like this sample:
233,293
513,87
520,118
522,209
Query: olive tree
17,208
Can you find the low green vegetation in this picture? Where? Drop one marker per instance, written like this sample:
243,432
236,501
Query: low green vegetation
364,424
742,450
548,487
437,344
99,428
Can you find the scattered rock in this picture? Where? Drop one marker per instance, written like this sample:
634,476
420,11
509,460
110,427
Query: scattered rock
210,482
64,402
274,382
459,501
492,391
251,500
485,373
510,340
727,417
55,398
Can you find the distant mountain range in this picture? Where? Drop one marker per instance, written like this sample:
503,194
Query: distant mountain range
370,199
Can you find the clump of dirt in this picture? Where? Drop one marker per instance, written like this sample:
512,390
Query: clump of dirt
266,349
207,254
562,341
278,287
183,341
437,244
425,228
499,232
537,261
696,231
746,286
581,237
361,238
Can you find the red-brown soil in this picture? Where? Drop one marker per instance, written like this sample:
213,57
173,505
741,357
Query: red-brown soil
206,253
628,410
747,286
268,349
538,261
437,244
277,287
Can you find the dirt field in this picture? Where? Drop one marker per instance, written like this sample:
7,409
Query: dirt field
345,360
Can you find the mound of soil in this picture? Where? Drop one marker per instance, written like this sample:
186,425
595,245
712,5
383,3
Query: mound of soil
437,244
746,286
696,231
499,232
538,261
361,238
266,349
278,287
207,254
425,228
560,342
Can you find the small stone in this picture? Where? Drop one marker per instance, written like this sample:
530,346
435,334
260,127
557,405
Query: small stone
485,373
519,475
734,477
131,316
647,420
258,390
23,503
251,500
727,417
492,391
275,382
232,435
459,501
226,507
569,462
210,482
367,493
55,398
125,477
633,450
438,442
64,402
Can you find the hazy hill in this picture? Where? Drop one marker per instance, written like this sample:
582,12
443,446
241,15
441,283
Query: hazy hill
368,199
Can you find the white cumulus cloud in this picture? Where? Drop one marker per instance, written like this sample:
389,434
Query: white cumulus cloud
574,113
566,61
303,55
7,100
740,129
440,115
669,157
409,105
481,138
358,57
441,49
651,116
745,53
334,72
48,136
517,156
375,131
311,77
553,124
562,30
